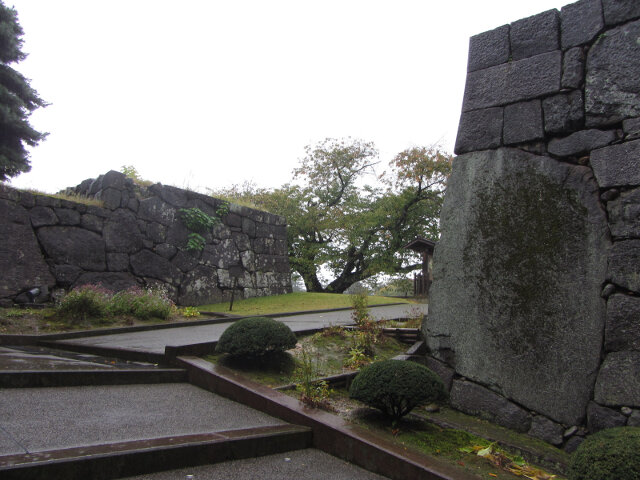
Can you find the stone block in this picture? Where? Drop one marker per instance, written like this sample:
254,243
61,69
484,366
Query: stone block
121,232
200,286
91,222
622,329
479,130
612,91
580,142
441,369
573,443
67,216
624,214
155,232
513,82
618,11
581,22
21,261
618,382
165,250
573,68
599,418
147,264
547,430
155,210
535,35
117,262
518,274
624,264
634,419
233,220
174,196
185,260
249,227
617,165
113,281
73,246
488,49
563,113
631,128
523,122
113,179
42,216
474,399
27,199
111,198
66,275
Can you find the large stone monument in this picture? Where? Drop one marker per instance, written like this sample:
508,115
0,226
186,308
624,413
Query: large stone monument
535,306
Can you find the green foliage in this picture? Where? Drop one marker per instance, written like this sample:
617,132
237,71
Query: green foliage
356,358
312,392
199,222
189,312
359,303
355,231
610,454
85,302
94,302
131,172
396,387
17,100
254,337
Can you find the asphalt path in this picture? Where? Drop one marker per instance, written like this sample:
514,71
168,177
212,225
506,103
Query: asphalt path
155,341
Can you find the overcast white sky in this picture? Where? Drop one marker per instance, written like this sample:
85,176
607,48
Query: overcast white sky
207,93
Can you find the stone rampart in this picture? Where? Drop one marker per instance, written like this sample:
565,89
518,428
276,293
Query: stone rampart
137,238
535,305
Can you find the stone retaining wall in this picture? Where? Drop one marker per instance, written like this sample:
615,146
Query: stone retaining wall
137,238
534,318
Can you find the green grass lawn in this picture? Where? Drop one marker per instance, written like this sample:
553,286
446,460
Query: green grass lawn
293,302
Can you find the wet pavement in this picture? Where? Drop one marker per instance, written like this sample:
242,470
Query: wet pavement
38,419
307,464
155,341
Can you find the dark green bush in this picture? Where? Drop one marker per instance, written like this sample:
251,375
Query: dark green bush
610,454
395,387
253,337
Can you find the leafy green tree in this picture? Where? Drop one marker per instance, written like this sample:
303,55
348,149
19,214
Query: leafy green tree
17,100
346,227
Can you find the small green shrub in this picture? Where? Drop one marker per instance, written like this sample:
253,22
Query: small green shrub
142,303
610,454
254,337
395,387
84,302
196,220
189,312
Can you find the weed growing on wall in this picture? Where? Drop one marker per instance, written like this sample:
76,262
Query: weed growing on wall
198,222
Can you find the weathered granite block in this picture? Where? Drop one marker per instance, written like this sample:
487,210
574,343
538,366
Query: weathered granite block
624,214
581,22
617,165
573,68
147,264
523,122
513,82
634,419
631,128
155,210
599,418
619,380
612,89
73,246
68,216
21,261
624,261
117,262
42,216
66,275
622,330
580,142
442,370
479,130
165,250
518,273
121,233
618,11
535,35
547,430
474,399
200,286
174,196
563,113
110,197
91,222
488,49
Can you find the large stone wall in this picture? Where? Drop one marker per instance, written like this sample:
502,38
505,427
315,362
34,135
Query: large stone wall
136,238
534,319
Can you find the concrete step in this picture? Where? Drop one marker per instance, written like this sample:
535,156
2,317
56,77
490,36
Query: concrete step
73,378
116,460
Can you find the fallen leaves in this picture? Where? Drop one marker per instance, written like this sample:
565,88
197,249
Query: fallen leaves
513,464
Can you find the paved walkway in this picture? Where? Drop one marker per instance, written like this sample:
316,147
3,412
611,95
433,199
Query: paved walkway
155,341
307,464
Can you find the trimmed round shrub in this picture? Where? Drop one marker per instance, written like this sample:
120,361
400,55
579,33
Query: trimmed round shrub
253,337
609,454
395,387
